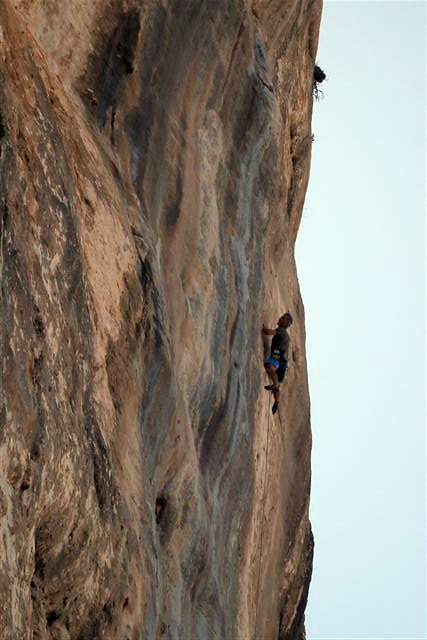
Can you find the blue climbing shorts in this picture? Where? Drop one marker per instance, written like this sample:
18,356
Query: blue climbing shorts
273,361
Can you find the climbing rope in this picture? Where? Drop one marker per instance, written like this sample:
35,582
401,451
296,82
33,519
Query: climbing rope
262,521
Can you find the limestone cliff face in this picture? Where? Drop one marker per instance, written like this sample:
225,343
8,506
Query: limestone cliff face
154,157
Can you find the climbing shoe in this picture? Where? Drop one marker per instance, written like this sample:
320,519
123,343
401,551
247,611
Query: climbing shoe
271,387
275,407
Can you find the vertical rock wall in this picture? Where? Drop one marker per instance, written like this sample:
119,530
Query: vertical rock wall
154,158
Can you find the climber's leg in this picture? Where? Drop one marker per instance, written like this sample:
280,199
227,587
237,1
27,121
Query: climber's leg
271,370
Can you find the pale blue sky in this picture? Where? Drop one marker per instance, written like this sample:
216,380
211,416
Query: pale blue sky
361,262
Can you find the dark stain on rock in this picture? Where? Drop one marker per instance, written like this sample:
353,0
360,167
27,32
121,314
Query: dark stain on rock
4,216
166,517
116,63
3,504
38,325
112,126
36,369
39,555
139,328
145,275
208,433
2,127
161,503
173,209
139,121
102,474
245,112
152,320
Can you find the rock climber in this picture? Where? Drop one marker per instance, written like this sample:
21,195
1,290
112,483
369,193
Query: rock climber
277,362
318,77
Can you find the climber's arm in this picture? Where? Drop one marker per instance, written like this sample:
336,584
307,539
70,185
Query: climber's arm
268,332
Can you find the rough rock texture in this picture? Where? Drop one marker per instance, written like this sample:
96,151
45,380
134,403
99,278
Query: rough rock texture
154,157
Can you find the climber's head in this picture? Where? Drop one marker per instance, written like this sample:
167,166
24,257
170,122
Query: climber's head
285,320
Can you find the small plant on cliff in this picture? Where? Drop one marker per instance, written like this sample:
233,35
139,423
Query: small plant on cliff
318,77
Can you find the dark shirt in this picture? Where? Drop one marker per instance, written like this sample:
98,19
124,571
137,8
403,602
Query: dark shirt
280,343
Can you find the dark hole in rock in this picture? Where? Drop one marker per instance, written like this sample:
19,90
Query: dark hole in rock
162,629
38,362
35,451
2,129
51,617
38,326
160,507
5,214
25,485
108,611
125,603
138,328
145,275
